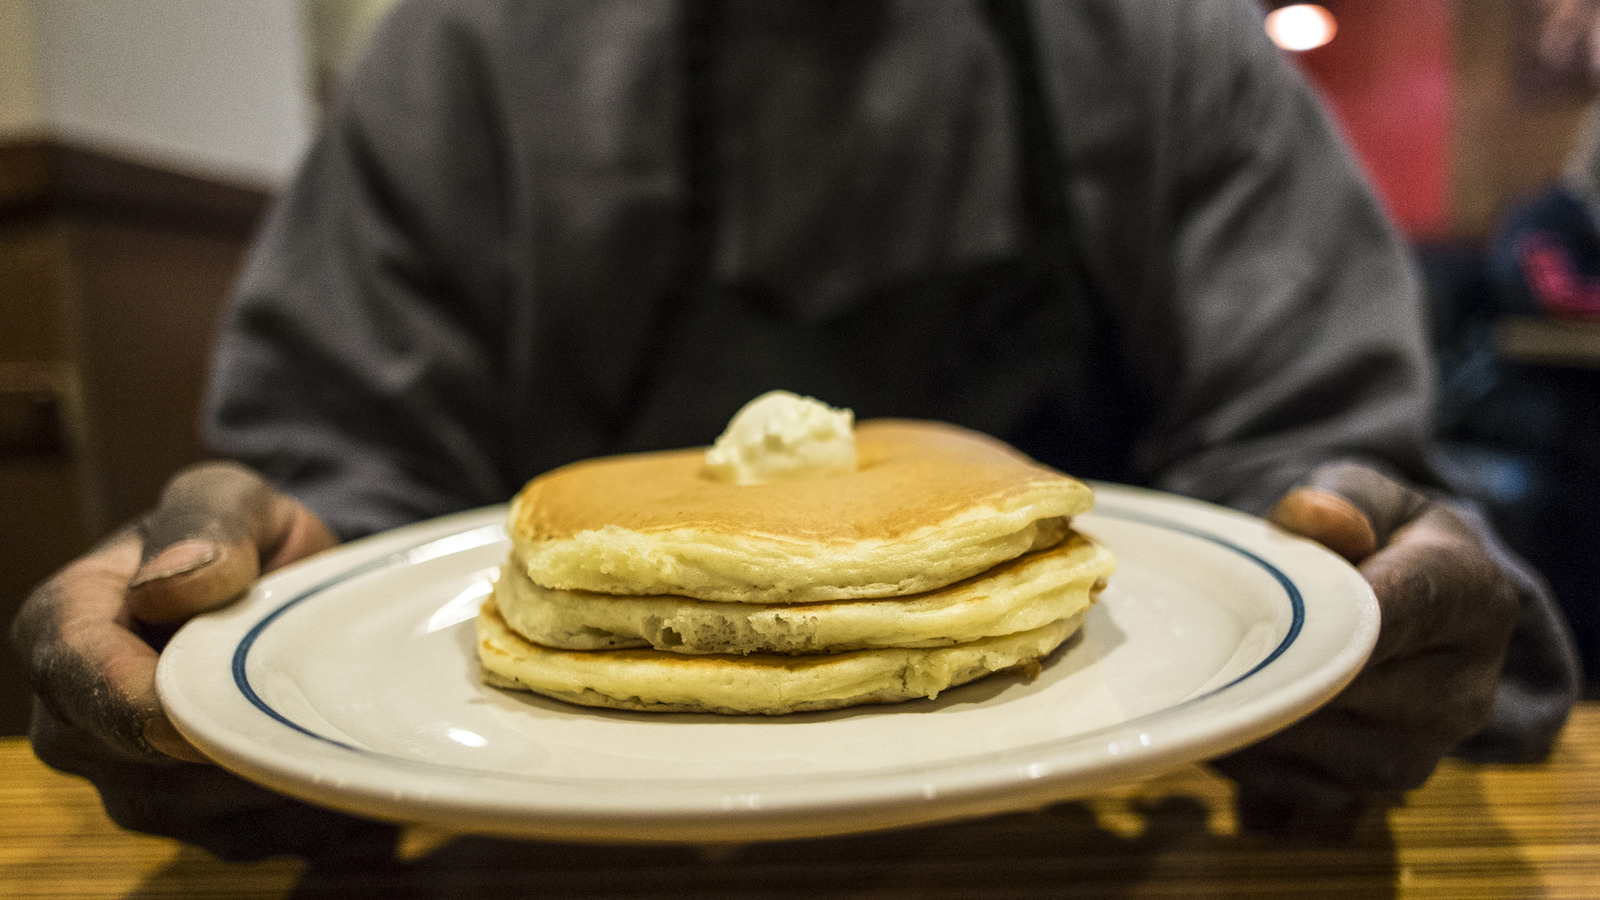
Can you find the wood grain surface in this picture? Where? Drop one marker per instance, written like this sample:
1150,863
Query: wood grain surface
1471,832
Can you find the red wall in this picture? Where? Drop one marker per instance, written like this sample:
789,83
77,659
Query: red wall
1388,80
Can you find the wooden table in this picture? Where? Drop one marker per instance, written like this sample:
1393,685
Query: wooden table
1471,832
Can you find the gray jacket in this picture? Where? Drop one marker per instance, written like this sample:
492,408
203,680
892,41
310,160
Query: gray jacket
535,232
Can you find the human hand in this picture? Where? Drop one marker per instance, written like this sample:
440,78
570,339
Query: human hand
90,637
1447,615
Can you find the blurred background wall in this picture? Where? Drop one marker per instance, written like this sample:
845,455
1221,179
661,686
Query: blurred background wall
140,141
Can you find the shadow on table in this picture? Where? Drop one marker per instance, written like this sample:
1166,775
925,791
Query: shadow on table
1166,839
1064,851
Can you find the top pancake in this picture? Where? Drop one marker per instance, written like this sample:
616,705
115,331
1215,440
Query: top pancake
928,505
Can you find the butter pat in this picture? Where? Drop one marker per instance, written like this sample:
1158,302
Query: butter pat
780,436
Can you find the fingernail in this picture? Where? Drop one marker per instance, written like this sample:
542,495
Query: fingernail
160,734
179,559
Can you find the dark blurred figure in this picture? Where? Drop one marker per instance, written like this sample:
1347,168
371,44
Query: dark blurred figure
1523,434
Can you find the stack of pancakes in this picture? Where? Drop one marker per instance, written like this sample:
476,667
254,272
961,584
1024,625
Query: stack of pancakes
640,582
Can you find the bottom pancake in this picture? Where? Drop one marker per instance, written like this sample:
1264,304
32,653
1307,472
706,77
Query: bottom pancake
766,684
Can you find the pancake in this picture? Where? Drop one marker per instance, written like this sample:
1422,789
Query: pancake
928,504
755,684
1019,595
802,563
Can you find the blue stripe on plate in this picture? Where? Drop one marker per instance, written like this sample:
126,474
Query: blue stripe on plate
454,543
1297,603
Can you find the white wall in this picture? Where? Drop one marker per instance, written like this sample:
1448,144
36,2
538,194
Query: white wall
22,113
211,87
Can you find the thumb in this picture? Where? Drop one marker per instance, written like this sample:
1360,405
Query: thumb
1328,519
1350,509
217,528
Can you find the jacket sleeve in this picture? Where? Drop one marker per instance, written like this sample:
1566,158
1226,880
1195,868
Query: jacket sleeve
359,364
1274,311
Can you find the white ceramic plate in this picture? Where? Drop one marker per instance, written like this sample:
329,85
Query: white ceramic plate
351,680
